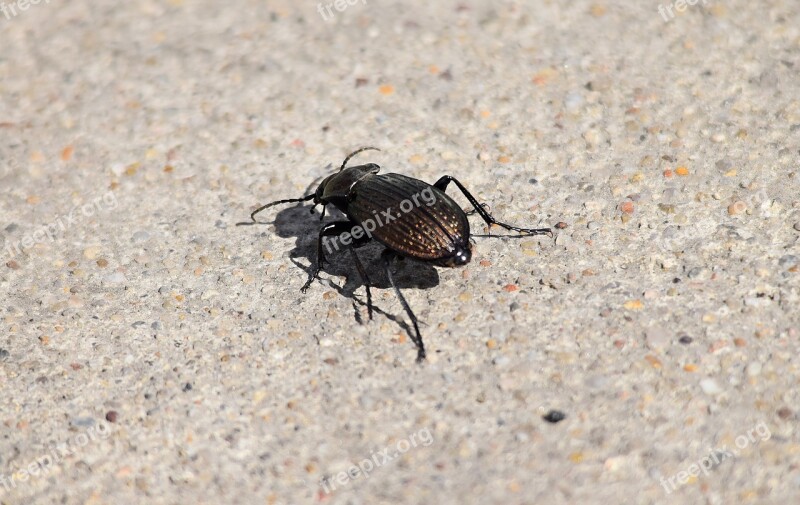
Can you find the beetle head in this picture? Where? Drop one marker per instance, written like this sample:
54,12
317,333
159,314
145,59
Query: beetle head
462,254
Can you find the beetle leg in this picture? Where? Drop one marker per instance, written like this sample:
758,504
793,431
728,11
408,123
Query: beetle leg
363,273
388,255
331,230
475,211
441,185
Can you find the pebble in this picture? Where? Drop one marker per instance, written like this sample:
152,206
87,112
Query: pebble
634,305
737,208
710,387
554,416
115,278
626,207
593,137
140,236
753,369
563,240
754,301
501,361
91,252
573,101
723,165
697,272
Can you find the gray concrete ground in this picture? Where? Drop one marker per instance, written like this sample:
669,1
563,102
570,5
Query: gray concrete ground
153,352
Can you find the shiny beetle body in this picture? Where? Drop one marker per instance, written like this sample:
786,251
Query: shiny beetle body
411,218
438,233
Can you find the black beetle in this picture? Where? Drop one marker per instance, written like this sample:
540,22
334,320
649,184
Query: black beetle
375,205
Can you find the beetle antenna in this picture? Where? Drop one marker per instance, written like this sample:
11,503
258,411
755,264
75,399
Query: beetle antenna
290,200
344,163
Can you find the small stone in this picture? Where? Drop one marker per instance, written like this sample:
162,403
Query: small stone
561,225
91,252
710,387
753,369
116,278
737,208
723,165
111,416
140,236
654,362
563,240
501,361
626,207
554,416
634,305
785,413
593,137
685,340
697,272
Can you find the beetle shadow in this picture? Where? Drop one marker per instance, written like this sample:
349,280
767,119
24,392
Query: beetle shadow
298,222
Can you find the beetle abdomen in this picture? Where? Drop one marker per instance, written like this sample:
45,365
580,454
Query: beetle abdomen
409,216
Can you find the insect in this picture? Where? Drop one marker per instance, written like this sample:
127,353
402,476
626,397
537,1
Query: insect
411,218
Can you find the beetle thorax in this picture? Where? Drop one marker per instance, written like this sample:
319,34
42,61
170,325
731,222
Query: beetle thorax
336,187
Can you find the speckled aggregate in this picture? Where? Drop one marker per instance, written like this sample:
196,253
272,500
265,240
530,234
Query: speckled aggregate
171,356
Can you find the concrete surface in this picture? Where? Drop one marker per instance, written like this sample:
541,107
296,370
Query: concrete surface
153,352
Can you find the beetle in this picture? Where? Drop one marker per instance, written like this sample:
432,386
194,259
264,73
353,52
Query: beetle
375,207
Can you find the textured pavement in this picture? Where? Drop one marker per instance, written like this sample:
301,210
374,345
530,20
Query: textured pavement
151,351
